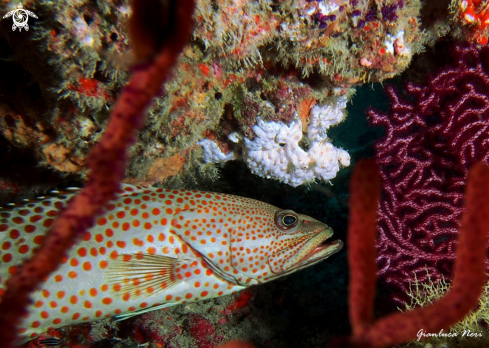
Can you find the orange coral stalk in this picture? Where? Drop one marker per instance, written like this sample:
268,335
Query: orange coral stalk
469,272
107,162
364,197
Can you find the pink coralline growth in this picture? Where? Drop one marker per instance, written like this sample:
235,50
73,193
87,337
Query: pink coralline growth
90,87
433,135
203,332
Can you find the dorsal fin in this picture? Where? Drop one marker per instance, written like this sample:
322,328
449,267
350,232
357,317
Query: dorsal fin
61,195
66,193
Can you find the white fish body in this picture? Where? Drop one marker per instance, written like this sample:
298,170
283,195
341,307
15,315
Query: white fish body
154,248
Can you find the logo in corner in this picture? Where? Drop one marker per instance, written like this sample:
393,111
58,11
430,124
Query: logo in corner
20,16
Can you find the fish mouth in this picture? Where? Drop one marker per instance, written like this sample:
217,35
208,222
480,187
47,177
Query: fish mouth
322,251
303,252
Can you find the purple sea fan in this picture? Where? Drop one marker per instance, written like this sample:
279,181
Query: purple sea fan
432,136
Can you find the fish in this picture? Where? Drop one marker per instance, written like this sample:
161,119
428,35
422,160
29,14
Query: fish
153,248
52,341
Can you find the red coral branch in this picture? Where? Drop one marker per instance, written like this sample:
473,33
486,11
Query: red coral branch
469,270
364,195
107,162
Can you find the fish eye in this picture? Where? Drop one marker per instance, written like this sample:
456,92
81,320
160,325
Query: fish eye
286,220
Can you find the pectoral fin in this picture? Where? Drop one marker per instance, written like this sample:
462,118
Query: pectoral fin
140,275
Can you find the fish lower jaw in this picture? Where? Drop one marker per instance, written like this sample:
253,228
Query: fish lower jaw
321,252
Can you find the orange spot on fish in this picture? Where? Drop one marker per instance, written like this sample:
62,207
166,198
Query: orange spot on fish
18,220
137,242
30,228
23,249
48,223
14,234
38,239
87,266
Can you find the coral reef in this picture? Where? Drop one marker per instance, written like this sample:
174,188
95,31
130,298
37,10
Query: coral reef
107,162
329,37
469,275
474,17
249,65
275,151
194,325
246,60
433,134
61,113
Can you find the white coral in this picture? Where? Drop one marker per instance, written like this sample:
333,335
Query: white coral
213,154
275,152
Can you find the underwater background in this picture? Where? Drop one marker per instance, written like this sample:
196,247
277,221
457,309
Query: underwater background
271,100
